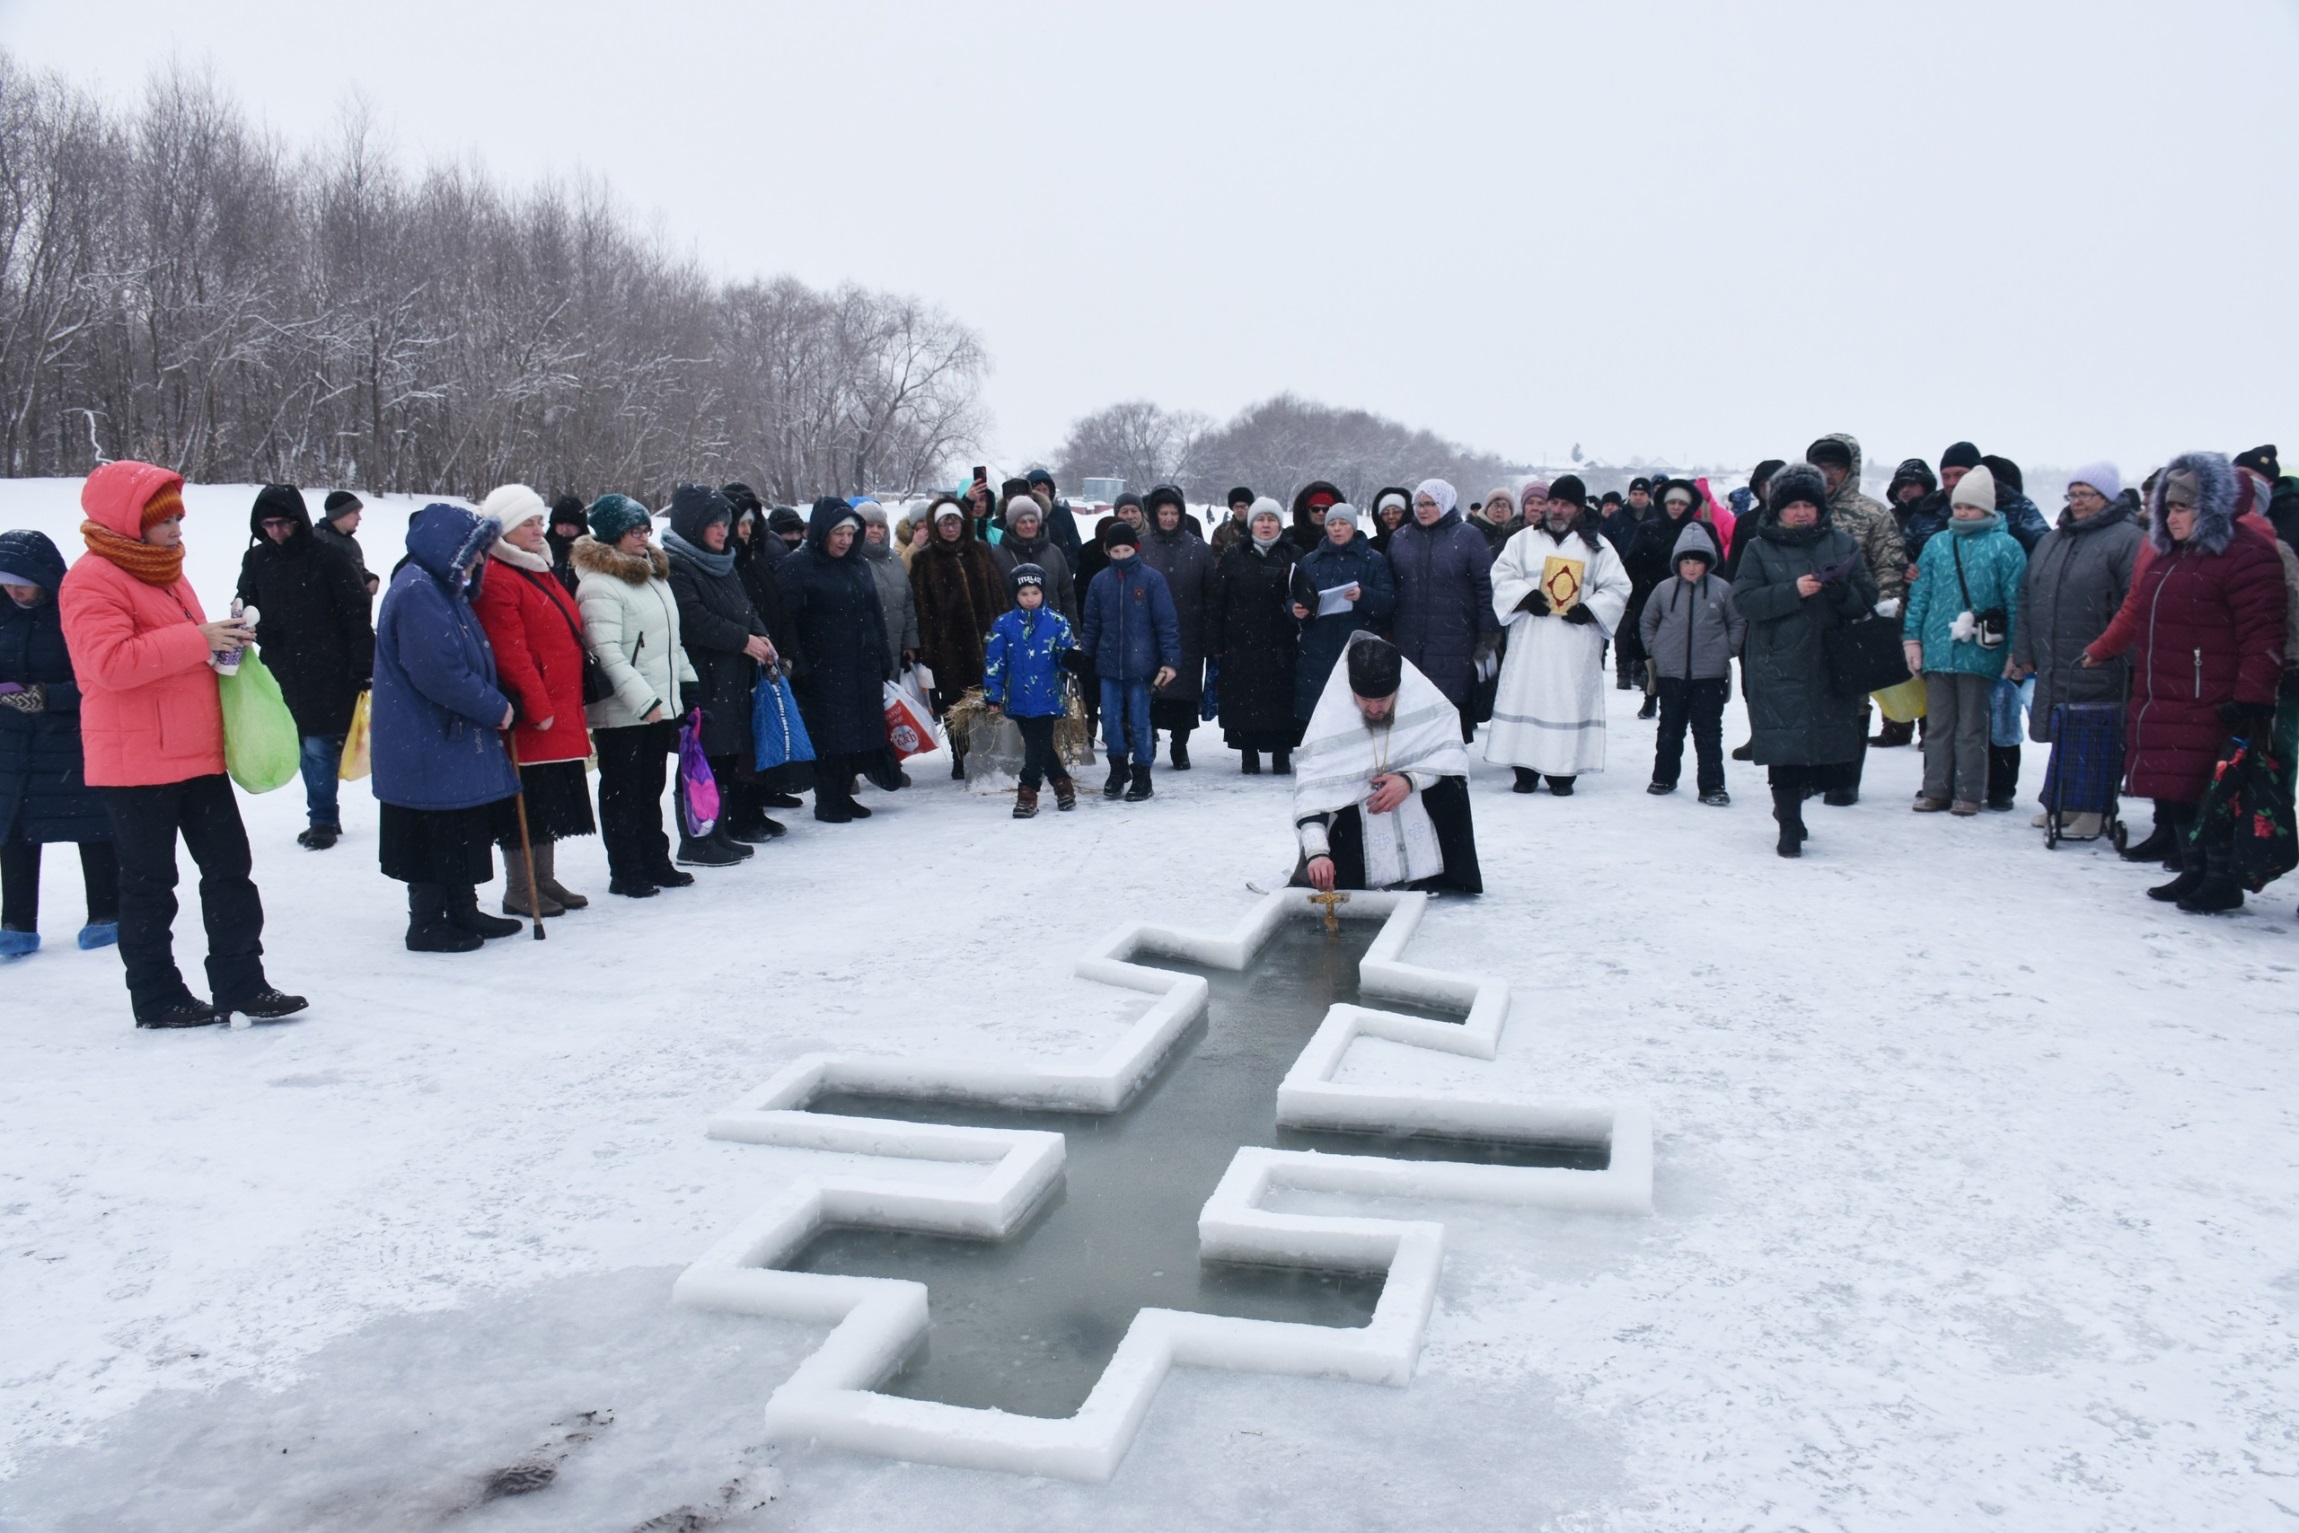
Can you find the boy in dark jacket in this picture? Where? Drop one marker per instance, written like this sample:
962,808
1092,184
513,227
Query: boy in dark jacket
1691,629
1131,632
1022,676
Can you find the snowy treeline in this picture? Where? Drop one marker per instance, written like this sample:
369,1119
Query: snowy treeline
1275,446
179,286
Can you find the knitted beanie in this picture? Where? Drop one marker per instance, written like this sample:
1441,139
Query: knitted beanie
613,515
1977,488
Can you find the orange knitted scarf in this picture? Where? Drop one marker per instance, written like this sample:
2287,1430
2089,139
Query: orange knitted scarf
148,562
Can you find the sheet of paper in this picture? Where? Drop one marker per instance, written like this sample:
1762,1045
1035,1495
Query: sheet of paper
1334,599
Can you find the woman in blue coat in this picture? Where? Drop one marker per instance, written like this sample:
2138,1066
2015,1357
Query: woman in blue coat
437,744
1343,558
43,795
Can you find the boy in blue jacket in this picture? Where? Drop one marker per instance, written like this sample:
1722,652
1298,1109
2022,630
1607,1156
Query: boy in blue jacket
1131,632
1022,677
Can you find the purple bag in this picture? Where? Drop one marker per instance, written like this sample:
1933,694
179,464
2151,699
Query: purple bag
698,790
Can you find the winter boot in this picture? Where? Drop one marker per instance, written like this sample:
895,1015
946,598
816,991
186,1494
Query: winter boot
2162,843
1065,793
727,843
319,837
1744,752
708,852
191,1011
1651,708
2219,890
429,930
1116,786
266,1005
547,878
1890,734
1025,803
1249,762
1562,787
668,877
1716,798
2194,866
518,898
1281,762
463,912
1788,809
1181,751
1528,781
1141,788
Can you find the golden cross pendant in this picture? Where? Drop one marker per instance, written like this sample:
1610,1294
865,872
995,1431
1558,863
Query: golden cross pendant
1332,903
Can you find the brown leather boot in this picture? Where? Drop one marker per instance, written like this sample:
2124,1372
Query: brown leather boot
1065,793
1025,803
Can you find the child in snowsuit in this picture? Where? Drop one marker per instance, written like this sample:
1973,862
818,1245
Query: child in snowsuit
1691,629
1022,675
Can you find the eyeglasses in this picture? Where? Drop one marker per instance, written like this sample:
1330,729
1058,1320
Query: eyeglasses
278,521
2084,492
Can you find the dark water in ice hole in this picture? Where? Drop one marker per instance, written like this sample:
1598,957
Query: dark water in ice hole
1027,1324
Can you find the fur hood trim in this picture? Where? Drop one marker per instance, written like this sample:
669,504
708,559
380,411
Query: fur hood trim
2215,502
593,557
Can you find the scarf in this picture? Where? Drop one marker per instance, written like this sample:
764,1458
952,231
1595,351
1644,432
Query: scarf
517,557
714,564
148,562
1265,544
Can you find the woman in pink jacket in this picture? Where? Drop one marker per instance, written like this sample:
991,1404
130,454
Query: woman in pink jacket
152,729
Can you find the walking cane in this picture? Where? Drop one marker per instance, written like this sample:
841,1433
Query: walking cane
526,845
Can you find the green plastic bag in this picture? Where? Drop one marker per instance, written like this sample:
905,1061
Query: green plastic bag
261,747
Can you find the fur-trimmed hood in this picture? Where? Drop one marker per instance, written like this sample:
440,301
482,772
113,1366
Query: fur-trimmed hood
444,541
593,557
2214,502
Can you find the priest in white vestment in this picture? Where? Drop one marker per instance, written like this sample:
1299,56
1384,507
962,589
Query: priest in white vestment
1381,780
1561,590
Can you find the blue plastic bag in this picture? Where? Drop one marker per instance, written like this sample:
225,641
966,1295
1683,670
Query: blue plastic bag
1209,706
777,733
2008,703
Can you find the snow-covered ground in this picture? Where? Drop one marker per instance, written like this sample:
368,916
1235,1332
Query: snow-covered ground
1974,1179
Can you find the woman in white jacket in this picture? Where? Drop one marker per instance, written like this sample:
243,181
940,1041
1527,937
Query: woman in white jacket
631,623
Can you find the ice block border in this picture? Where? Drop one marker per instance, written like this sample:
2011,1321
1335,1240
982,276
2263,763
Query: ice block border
876,1322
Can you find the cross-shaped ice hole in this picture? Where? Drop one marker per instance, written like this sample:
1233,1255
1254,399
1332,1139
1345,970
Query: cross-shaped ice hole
1027,1323
1013,1290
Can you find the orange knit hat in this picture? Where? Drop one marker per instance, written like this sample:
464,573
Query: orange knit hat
169,502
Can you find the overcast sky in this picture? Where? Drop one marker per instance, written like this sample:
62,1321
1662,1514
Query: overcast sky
1698,231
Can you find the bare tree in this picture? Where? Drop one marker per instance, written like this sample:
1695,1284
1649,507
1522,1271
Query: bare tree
177,286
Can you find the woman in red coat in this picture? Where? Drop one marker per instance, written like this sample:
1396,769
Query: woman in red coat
536,631
2204,623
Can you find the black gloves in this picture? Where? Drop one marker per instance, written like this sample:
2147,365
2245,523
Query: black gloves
1580,614
2245,721
33,699
690,698
1074,661
1535,602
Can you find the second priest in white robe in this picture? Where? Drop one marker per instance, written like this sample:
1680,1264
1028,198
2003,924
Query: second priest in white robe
1549,716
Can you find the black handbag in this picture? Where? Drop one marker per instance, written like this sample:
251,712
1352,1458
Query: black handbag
596,687
1864,655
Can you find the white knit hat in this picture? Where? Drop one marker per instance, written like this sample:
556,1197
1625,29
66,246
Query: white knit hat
2102,477
512,504
1977,488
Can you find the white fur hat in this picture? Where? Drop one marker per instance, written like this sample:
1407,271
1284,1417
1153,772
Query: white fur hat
512,504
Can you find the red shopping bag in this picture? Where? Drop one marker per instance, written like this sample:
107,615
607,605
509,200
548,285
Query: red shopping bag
909,728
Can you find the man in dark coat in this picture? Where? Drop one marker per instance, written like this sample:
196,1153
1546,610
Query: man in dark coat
339,521
317,638
1233,528
44,793
1445,623
841,659
726,642
1187,564
570,520
1061,524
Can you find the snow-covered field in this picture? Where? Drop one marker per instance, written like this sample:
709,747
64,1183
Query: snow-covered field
1973,1187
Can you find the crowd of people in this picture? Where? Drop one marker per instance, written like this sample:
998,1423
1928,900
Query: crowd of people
515,646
